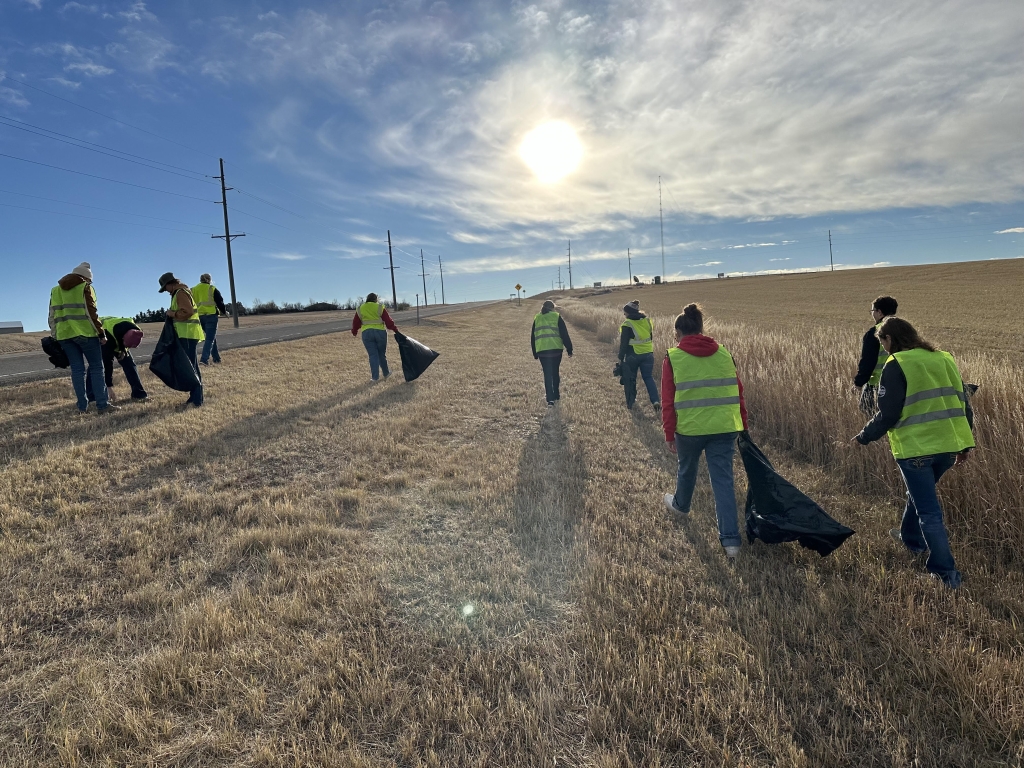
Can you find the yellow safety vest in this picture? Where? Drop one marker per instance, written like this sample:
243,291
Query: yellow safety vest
643,335
545,332
203,294
70,314
934,415
876,375
371,314
187,329
707,397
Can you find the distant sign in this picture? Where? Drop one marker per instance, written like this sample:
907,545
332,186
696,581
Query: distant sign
519,287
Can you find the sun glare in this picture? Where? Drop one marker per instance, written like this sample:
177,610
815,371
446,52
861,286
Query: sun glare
551,150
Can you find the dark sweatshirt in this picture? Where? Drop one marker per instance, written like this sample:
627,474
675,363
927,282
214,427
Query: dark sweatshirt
869,348
626,335
562,331
892,392
697,345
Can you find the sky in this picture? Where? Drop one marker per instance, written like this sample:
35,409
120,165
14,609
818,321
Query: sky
770,125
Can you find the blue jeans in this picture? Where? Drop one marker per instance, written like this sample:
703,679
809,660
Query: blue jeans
718,451
922,529
82,349
190,346
376,342
645,364
209,325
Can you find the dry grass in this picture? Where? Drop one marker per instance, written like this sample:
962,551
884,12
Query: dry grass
292,590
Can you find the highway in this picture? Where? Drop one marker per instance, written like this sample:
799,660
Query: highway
20,367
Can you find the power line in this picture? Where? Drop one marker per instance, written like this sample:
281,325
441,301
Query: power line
98,208
96,218
260,218
104,178
267,202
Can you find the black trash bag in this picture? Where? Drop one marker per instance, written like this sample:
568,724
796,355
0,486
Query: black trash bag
416,357
617,372
778,511
55,352
170,364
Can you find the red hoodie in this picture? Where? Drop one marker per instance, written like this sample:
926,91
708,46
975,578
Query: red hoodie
697,345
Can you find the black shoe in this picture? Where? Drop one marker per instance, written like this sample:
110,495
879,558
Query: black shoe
109,409
551,403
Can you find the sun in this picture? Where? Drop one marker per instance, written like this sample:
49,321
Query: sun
551,150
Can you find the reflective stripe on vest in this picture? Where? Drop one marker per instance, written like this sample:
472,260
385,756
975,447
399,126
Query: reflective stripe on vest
643,335
371,314
190,328
70,312
545,332
934,415
876,375
203,295
707,399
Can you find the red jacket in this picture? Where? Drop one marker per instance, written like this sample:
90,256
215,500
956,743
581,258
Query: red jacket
357,322
698,345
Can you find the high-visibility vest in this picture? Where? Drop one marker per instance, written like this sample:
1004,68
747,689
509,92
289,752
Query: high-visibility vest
707,397
545,332
876,375
187,329
371,314
643,334
70,314
203,294
934,415
108,323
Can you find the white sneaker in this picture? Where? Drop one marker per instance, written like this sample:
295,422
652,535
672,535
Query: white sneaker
670,502
732,552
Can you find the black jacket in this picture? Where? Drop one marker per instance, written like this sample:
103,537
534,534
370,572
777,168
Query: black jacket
218,300
562,331
870,346
892,392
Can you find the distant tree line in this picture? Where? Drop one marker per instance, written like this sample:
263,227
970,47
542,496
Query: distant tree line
273,308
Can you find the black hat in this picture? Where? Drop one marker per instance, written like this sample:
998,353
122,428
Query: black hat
166,279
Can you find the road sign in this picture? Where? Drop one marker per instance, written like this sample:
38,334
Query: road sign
519,287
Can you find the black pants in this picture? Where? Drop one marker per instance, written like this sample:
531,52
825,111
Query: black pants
549,362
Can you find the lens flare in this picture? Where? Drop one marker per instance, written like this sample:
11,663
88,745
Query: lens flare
467,610
552,151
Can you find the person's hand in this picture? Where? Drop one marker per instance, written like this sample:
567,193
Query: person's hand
103,339
672,447
569,353
962,458
854,442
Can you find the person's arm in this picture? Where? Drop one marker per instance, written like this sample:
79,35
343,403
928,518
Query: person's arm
743,403
533,340
185,308
564,333
892,392
624,337
968,410
218,300
388,322
50,321
868,358
90,307
668,401
357,323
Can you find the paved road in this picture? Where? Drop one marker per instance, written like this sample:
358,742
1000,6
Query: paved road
29,366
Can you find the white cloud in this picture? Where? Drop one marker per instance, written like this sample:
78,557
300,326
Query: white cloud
65,82
1012,230
783,259
267,15
73,6
748,245
288,256
89,68
37,4
533,19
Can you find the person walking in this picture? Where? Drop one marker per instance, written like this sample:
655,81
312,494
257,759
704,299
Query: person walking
75,324
373,319
189,330
636,353
123,335
548,338
703,411
210,304
872,355
926,413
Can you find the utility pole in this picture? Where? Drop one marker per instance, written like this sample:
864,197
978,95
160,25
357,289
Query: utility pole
570,265
559,278
227,237
418,308
629,262
661,218
441,270
423,274
830,251
394,293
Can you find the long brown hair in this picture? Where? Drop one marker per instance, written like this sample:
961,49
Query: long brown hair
691,321
902,336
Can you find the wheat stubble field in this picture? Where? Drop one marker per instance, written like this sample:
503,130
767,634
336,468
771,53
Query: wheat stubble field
311,570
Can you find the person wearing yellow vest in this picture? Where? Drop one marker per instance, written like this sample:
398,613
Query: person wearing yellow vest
702,411
924,409
548,338
872,355
123,335
210,304
75,324
185,315
373,319
636,353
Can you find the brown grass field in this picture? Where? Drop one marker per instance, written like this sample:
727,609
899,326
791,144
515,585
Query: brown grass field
314,571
